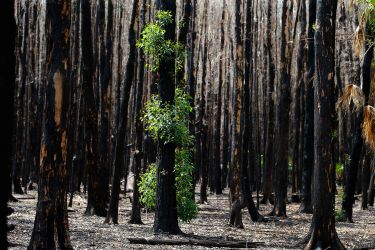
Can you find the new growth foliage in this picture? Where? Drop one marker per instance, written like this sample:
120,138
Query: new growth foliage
168,122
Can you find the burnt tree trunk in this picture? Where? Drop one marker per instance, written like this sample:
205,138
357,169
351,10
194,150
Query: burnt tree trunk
323,232
119,155
166,220
7,77
135,217
51,220
269,150
202,127
358,146
282,116
366,175
298,96
96,198
235,185
20,92
217,123
308,143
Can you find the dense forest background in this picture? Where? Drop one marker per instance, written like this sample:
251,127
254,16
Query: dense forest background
257,73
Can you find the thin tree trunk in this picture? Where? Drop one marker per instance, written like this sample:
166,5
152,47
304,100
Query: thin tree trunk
366,175
235,185
96,202
308,148
119,159
269,154
138,156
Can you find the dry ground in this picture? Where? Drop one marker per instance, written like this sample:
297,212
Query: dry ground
91,233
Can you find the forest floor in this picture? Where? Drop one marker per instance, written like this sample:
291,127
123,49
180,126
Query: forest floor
212,222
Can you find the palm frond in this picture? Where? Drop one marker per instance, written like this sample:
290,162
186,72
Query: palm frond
359,39
368,127
351,100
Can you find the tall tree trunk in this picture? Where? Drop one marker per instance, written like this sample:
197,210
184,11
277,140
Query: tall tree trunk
323,232
308,143
282,115
299,94
22,35
190,65
235,185
358,146
7,77
202,127
138,155
96,199
217,159
166,220
51,220
119,159
269,154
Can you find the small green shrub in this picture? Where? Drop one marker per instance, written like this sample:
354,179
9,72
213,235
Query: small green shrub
339,170
187,209
169,122
147,187
339,215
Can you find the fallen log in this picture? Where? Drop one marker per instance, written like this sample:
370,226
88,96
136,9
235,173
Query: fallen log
195,242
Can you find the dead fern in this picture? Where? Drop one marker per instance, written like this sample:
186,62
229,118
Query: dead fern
368,129
351,100
359,39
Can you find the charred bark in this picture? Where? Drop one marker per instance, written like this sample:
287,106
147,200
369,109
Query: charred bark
308,144
7,77
96,199
235,184
270,130
323,232
282,116
119,159
358,145
138,156
166,220
51,220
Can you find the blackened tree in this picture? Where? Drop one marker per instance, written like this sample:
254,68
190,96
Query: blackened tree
166,220
323,231
96,199
51,220
308,143
7,78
